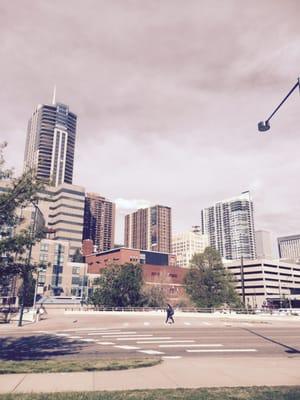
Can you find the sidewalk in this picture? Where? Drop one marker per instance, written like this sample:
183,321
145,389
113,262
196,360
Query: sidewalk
171,374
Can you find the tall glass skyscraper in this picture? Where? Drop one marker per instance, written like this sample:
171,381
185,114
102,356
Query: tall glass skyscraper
230,227
50,143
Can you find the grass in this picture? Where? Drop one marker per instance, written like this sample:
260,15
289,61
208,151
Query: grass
250,393
74,365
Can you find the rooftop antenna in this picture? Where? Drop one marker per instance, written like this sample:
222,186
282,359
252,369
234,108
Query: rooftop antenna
54,95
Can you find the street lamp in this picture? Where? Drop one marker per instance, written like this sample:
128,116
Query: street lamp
264,126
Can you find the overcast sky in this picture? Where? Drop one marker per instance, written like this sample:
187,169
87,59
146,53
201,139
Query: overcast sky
168,94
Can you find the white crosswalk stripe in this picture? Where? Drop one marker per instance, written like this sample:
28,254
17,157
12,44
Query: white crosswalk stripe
105,343
135,338
221,350
128,347
189,345
151,352
164,341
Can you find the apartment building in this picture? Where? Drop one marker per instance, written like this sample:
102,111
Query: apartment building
99,221
229,225
149,229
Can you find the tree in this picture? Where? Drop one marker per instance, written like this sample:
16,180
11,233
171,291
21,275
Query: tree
16,244
208,283
154,296
119,286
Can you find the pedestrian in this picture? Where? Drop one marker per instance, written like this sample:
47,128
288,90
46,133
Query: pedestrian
170,313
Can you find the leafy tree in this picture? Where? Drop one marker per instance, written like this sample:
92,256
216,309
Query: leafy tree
15,244
154,296
119,286
208,283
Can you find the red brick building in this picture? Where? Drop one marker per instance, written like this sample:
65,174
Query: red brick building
158,268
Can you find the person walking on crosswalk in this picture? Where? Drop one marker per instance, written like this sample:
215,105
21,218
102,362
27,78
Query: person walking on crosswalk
170,313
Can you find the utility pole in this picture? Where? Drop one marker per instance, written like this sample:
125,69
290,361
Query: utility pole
243,281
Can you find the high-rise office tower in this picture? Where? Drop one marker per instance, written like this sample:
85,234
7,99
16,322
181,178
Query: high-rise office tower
264,248
149,229
186,244
99,221
230,227
50,143
289,247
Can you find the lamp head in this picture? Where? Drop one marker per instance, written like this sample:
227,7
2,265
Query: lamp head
263,126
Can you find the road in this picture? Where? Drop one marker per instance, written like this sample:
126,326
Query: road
115,336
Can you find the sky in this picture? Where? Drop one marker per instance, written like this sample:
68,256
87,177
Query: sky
168,94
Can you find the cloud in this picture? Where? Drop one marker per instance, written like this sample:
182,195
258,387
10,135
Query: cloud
167,96
131,204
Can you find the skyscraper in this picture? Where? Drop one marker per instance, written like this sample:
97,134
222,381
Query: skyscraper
186,244
50,143
149,229
230,226
99,221
264,248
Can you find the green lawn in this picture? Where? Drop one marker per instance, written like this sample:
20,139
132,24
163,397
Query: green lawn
253,393
24,367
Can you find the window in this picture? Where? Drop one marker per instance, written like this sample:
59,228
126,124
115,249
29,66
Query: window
43,257
75,270
57,269
44,247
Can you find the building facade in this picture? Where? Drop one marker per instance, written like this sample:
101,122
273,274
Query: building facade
99,221
149,229
289,247
264,245
159,269
63,209
186,244
50,143
59,276
266,281
229,225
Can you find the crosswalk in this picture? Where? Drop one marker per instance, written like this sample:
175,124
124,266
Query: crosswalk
168,346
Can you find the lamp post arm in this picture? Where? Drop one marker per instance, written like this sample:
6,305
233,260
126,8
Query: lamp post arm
284,100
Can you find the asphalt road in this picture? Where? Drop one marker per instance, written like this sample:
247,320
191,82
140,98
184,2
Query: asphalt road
131,336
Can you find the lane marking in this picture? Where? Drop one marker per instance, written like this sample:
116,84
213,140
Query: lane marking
100,333
154,339
75,337
105,343
150,352
87,340
119,333
62,334
128,347
146,323
135,338
187,323
125,324
221,350
190,345
165,341
171,357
